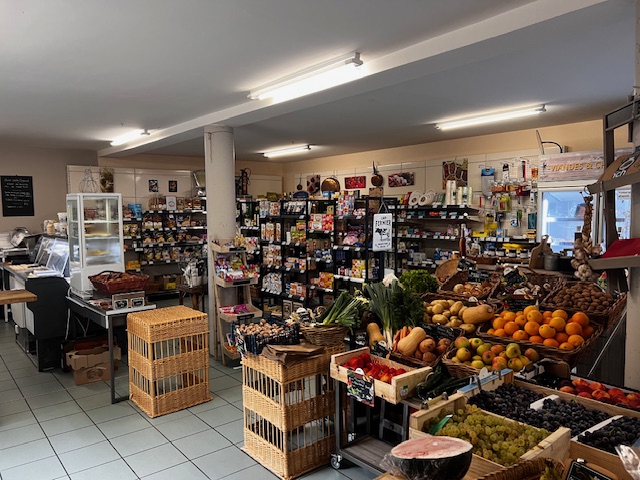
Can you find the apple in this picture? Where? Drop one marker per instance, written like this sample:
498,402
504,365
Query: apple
525,361
461,342
488,356
567,389
515,364
477,364
475,343
585,395
476,357
513,350
582,388
456,360
440,349
532,354
601,395
444,341
616,392
463,354
485,347
634,403
596,386
580,381
497,349
621,401
497,367
500,362
633,397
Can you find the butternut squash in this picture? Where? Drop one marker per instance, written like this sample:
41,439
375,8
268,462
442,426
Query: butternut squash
375,335
408,345
477,315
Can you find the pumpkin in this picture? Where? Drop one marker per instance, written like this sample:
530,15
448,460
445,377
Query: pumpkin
375,335
477,315
409,344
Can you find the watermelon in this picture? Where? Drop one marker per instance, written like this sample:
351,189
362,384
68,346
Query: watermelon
432,458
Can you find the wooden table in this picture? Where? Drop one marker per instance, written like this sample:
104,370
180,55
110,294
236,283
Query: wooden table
197,295
16,296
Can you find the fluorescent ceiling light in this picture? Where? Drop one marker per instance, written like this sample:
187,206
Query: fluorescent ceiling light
494,117
287,151
129,137
321,77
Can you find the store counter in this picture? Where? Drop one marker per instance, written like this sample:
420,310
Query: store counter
107,319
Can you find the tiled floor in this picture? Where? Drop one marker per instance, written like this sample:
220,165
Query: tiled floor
50,428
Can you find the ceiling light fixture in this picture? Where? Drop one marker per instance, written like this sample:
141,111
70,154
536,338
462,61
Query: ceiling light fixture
286,151
320,77
129,137
491,118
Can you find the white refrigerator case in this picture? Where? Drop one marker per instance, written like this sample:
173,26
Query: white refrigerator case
95,237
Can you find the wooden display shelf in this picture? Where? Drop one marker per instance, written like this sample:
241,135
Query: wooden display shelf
237,283
401,386
217,248
253,312
615,262
229,354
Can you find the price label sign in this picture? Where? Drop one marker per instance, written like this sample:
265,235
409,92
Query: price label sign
466,264
359,388
479,276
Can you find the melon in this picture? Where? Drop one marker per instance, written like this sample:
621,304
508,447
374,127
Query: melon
432,458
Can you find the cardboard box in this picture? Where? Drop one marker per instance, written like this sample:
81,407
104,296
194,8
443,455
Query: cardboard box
91,365
170,282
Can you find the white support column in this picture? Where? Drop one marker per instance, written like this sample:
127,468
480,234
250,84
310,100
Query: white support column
219,161
632,343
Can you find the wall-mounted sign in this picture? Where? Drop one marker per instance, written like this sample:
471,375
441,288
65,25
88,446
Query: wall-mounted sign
17,196
382,232
571,166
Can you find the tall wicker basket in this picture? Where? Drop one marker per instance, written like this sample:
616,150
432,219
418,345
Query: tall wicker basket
168,359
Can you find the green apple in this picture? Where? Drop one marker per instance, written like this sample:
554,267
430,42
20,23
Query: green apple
463,354
513,350
483,348
461,342
477,364
515,364
475,342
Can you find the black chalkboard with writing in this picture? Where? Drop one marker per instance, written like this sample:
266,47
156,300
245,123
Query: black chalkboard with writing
17,196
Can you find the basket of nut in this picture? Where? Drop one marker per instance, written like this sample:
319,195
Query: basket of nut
460,286
253,337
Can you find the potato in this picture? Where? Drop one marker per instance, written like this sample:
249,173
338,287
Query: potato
451,302
438,309
468,328
441,319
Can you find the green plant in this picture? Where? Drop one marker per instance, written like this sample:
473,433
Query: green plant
419,281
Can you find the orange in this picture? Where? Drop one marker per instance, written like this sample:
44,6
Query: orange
587,331
561,313
520,335
551,342
534,316
546,320
531,328
558,323
528,309
561,337
547,314
536,339
510,316
581,318
491,331
567,346
521,320
547,331
519,312
511,327
573,328
576,340
500,332
499,322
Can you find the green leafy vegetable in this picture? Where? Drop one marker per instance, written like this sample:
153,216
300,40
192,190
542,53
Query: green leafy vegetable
346,310
406,308
380,304
419,281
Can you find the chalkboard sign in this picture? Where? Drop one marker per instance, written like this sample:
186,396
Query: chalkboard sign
359,388
517,303
17,196
466,264
514,278
479,276
579,470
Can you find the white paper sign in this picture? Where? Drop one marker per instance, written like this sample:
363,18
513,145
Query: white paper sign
382,232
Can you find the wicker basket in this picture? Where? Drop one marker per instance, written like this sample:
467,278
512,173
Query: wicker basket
571,357
437,332
457,370
446,270
324,334
462,277
514,301
529,470
429,297
110,282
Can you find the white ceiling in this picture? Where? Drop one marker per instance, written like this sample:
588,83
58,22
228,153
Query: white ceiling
77,73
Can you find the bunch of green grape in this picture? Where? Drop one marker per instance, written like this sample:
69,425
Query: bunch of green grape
494,438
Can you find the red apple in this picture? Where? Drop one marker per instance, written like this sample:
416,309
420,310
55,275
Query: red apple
616,392
596,386
601,395
585,395
580,382
497,349
621,401
583,388
633,397
568,390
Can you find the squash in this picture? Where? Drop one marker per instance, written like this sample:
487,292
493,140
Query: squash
477,315
375,335
409,344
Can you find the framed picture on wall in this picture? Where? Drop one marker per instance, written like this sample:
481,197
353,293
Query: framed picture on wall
153,185
173,186
402,179
359,181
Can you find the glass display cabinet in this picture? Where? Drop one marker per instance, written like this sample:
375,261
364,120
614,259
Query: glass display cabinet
95,237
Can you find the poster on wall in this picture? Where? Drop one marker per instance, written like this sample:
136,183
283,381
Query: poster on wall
402,179
382,232
455,171
153,185
88,184
106,180
352,183
313,184
17,196
173,186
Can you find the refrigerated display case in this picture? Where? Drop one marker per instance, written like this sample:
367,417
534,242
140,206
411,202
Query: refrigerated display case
561,216
95,237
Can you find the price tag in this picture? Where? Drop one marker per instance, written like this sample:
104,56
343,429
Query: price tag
466,264
479,276
360,388
579,470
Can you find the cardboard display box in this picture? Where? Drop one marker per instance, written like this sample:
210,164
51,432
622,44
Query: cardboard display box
91,365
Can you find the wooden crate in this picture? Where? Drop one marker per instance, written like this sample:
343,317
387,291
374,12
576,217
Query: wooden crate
598,457
555,446
168,359
401,387
289,413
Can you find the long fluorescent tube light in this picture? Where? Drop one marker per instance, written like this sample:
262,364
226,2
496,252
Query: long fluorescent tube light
321,77
495,117
286,151
129,137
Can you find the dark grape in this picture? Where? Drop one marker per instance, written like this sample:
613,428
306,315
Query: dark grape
621,431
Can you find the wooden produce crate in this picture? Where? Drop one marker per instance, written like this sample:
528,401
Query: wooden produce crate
599,457
168,359
401,387
555,446
289,413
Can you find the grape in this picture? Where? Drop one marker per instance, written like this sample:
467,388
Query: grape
622,431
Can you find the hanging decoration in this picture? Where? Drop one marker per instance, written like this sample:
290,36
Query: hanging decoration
352,183
106,180
455,171
402,179
583,247
245,173
88,184
313,184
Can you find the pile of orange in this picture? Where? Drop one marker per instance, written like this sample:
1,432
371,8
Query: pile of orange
551,328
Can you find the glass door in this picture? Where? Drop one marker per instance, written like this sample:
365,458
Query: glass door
561,217
73,230
101,230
